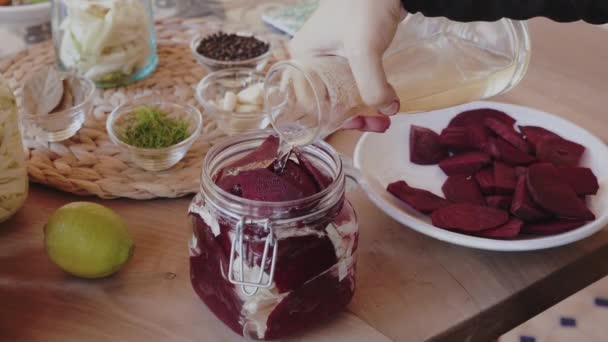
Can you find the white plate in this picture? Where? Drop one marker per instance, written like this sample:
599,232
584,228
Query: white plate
384,158
26,14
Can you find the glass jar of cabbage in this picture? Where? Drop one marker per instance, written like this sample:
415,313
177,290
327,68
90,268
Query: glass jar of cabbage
111,42
13,173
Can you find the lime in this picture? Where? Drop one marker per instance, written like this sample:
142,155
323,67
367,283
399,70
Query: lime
87,240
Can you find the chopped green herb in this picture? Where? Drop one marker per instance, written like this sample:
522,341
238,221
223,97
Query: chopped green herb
150,127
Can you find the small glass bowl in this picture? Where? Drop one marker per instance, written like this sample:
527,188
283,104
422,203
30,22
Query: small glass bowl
257,63
62,125
163,158
213,88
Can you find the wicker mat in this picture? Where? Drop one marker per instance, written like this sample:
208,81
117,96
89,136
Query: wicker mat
89,163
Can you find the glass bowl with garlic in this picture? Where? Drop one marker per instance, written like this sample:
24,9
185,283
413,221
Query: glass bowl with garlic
55,104
235,99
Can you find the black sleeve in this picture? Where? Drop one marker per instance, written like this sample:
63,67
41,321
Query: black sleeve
591,11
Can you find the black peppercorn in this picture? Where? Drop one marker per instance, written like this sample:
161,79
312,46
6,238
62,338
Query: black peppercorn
231,47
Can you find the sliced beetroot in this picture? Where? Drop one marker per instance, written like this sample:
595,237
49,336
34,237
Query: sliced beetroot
535,134
504,179
522,205
499,201
421,200
552,227
425,148
511,155
462,189
491,148
521,171
485,179
508,133
479,115
456,139
297,176
261,185
468,217
508,230
550,192
559,152
258,158
322,180
467,163
581,179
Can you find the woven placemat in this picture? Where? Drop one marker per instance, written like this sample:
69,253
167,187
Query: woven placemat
89,163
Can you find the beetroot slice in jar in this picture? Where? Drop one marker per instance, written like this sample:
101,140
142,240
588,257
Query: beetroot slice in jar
510,229
559,152
499,201
261,157
550,192
425,148
485,179
462,189
468,217
522,205
535,134
421,200
509,134
261,185
466,163
581,179
511,155
297,176
479,115
504,179
552,227
323,180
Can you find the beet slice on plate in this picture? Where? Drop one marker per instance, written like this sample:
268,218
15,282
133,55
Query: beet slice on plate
425,148
421,200
552,227
508,133
456,139
550,192
511,155
581,179
465,163
504,179
499,201
535,134
476,116
468,217
485,179
462,189
508,230
522,205
559,152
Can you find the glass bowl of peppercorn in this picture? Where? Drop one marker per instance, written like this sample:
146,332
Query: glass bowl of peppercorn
223,50
155,133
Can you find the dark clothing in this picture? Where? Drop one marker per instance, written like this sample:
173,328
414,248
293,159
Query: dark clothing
591,11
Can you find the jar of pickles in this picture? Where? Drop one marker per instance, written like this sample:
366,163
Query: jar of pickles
272,252
111,42
13,172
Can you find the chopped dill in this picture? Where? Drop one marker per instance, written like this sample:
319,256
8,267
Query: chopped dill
150,127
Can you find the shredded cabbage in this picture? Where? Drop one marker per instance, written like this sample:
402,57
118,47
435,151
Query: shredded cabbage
13,173
105,38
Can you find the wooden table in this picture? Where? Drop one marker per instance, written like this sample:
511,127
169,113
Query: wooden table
410,287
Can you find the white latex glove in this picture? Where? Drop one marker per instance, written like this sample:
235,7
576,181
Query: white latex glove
360,30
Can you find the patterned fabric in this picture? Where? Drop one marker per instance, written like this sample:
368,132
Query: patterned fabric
581,317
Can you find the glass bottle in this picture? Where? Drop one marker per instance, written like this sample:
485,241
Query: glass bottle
13,171
111,42
432,63
268,269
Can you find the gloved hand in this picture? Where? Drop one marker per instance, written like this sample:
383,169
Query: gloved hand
360,30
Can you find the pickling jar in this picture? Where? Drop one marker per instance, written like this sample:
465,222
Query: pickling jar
268,269
13,171
432,63
111,42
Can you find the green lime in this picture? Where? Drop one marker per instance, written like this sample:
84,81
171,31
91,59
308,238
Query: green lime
87,240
